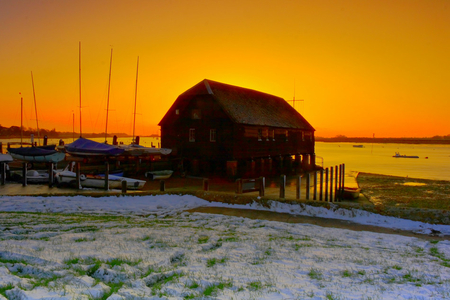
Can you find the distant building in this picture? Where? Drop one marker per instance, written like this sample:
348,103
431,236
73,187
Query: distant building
217,127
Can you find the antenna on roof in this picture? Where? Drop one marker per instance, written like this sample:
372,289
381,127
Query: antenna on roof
293,99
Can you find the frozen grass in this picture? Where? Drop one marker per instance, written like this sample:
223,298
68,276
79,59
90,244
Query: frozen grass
195,256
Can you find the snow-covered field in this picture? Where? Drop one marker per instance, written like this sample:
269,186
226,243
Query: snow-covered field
149,248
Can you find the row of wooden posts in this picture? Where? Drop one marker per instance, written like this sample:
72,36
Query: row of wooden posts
327,185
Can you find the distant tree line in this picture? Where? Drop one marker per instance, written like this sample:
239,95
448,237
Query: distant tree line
14,132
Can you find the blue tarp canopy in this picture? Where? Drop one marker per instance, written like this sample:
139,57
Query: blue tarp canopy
87,147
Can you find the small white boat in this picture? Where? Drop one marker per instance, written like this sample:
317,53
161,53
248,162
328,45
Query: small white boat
397,155
96,181
5,158
33,176
155,175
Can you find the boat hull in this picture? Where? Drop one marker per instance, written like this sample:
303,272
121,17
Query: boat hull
51,158
96,181
159,175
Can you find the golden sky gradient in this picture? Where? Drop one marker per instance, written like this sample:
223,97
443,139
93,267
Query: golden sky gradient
362,67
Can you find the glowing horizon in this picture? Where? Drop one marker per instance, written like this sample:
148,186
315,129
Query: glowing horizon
362,68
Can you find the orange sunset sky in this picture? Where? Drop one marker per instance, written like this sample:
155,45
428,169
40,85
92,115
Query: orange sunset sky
362,67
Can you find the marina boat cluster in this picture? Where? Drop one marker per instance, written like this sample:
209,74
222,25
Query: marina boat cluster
81,151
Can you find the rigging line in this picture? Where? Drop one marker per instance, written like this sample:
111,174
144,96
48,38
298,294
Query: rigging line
109,88
35,109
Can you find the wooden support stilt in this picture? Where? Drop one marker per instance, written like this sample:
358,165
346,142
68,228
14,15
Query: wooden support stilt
78,177
24,174
3,170
124,187
340,182
205,184
50,174
106,176
326,184
308,185
343,177
239,186
315,185
262,186
336,194
321,186
162,186
298,188
282,186
331,184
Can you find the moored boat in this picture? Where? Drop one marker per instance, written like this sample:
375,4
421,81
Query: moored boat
86,147
154,175
398,155
37,154
97,181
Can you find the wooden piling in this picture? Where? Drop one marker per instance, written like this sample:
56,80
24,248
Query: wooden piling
331,184
50,174
24,174
321,186
205,184
162,186
282,186
262,186
298,188
3,170
340,182
315,185
343,177
106,176
1,147
336,195
308,184
78,173
124,186
239,186
326,184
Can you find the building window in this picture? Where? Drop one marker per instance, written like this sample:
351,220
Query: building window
266,134
260,134
177,111
287,135
272,134
303,135
212,135
192,135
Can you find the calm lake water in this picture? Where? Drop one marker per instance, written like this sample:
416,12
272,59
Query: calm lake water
377,158
372,158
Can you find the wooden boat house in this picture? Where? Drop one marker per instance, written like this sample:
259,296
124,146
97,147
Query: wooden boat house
217,127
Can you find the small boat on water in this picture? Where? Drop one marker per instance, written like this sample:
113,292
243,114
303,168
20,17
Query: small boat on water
351,193
97,181
358,146
398,155
155,175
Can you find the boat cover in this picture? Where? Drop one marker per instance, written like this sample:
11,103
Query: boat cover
32,151
87,147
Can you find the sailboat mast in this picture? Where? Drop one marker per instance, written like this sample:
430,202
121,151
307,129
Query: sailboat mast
135,98
107,105
21,121
35,108
79,79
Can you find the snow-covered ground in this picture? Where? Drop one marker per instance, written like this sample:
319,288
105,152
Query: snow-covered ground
149,248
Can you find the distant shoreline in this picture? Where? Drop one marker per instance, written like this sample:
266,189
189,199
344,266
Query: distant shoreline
357,140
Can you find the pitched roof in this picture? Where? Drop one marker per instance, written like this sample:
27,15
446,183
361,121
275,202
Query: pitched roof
246,106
